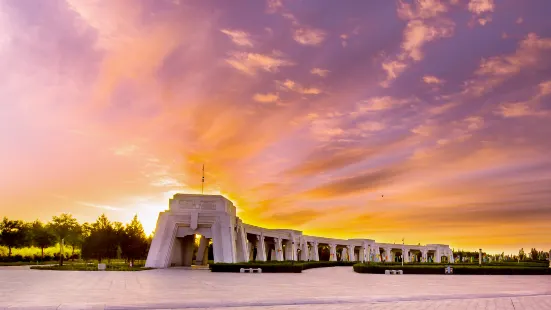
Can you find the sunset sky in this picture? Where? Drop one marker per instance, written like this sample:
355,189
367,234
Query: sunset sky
304,112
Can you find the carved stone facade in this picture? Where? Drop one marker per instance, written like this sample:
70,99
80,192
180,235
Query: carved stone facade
214,218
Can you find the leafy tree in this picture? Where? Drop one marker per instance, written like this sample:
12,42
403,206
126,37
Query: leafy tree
41,236
534,254
134,243
76,237
62,226
13,234
102,241
521,254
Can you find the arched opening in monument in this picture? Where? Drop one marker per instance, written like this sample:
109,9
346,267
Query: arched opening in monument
201,250
383,255
191,249
444,259
270,248
324,252
339,253
431,256
252,241
397,255
415,256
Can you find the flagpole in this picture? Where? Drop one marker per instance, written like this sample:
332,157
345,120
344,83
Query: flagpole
203,180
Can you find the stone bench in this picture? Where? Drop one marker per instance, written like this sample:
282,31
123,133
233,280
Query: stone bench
394,272
250,270
102,266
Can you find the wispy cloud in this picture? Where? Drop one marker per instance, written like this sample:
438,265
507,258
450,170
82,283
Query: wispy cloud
125,150
309,36
98,206
431,79
238,37
425,24
292,85
495,70
251,63
320,72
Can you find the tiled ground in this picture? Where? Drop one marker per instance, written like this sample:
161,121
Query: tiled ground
336,288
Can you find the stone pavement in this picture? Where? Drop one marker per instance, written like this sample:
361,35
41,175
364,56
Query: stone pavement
336,288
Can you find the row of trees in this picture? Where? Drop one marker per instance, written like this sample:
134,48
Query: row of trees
99,240
533,255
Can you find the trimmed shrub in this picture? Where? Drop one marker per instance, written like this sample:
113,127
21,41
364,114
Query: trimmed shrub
277,266
47,258
457,269
266,267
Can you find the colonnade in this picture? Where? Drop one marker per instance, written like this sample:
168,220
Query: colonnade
214,218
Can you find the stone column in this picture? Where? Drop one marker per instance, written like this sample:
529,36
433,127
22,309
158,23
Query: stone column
188,243
294,247
241,254
344,254
278,249
405,255
304,251
260,248
450,257
363,254
480,256
250,249
351,253
206,254
388,253
288,252
203,244
333,252
316,251
438,254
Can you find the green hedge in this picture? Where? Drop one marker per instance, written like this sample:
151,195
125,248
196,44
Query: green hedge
457,269
266,268
276,267
90,267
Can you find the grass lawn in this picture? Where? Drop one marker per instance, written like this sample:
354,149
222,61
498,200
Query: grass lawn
27,263
80,266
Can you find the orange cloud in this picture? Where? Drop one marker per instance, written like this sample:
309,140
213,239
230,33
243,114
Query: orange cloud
265,98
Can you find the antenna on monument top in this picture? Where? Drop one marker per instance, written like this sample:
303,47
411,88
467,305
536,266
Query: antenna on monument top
203,180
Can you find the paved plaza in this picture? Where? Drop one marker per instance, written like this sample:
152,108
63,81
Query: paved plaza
324,288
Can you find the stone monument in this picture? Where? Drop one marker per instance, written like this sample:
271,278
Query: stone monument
211,219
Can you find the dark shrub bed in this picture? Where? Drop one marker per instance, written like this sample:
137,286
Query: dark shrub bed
266,267
321,264
276,267
90,267
457,269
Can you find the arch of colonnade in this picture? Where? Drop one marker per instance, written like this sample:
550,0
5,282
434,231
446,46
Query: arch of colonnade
214,218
